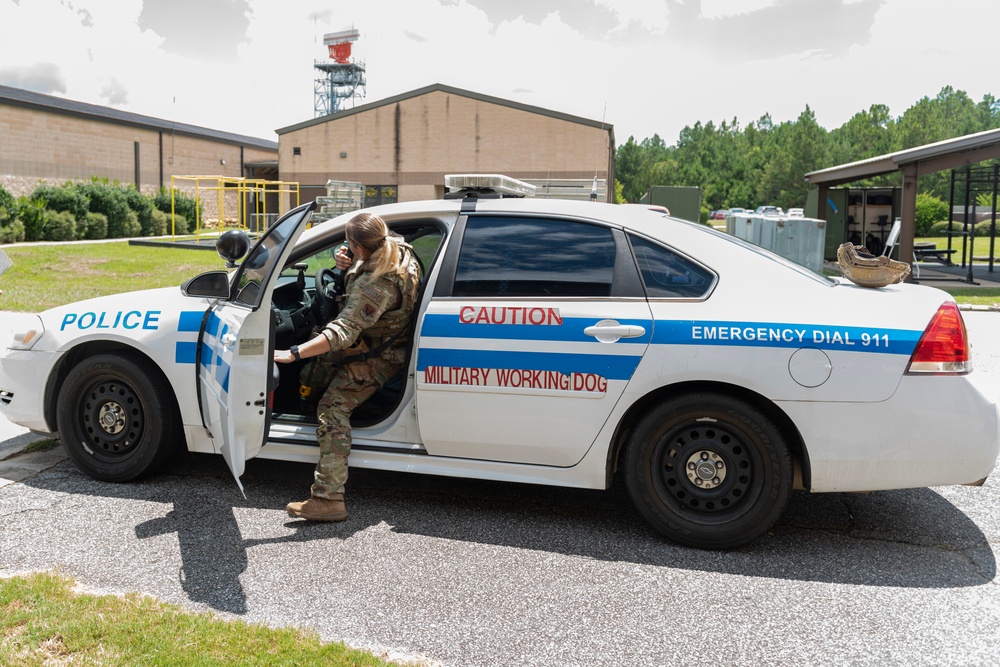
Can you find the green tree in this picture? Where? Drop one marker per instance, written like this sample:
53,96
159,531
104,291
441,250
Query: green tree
867,134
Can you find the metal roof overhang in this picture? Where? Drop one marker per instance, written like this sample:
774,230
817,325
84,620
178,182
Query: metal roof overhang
912,163
929,158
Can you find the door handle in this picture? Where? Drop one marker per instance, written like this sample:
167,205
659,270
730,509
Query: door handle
610,331
228,340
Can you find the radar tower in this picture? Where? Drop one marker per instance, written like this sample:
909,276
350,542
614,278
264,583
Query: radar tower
342,78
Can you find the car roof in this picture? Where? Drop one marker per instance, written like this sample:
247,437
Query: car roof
681,234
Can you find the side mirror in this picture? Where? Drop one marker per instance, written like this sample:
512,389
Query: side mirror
211,285
233,246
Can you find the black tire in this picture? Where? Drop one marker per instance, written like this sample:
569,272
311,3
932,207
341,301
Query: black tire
117,418
708,471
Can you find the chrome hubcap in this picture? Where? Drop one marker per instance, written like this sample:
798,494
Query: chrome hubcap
706,469
112,418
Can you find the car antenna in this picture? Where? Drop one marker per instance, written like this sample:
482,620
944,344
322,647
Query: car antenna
593,187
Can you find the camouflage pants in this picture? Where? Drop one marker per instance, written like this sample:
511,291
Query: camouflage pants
351,386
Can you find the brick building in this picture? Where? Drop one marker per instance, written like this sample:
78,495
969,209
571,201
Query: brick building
49,138
401,147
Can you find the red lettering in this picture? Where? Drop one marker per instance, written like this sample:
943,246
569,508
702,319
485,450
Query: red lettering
509,315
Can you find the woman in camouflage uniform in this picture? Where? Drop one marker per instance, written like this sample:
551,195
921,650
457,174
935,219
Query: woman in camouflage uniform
371,336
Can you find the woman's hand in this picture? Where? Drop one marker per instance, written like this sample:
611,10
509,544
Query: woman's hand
284,356
343,260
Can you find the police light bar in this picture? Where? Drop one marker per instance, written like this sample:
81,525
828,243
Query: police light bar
504,186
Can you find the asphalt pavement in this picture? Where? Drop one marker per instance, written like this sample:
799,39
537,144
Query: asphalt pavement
478,573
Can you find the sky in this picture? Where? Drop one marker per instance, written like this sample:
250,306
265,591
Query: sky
644,66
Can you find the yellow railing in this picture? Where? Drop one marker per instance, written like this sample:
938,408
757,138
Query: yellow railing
249,197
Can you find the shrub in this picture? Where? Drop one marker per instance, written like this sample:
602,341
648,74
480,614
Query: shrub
32,215
12,231
179,224
143,208
94,226
183,205
58,226
66,197
158,223
941,228
109,200
928,209
7,205
132,226
983,228
703,215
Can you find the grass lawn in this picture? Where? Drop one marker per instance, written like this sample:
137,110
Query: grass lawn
980,246
43,621
44,276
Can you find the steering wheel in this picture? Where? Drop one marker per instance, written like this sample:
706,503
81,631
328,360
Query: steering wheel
324,303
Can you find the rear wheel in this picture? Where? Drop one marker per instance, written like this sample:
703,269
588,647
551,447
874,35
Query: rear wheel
708,471
117,418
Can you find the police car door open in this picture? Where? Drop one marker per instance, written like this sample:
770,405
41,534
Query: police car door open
235,350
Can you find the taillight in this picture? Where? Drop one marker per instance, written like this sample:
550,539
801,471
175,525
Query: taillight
944,345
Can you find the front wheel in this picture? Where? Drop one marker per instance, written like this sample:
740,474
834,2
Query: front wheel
708,470
116,417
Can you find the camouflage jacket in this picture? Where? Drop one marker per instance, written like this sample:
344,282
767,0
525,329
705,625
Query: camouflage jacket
376,309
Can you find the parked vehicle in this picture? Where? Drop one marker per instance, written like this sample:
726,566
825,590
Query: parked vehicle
555,342
769,210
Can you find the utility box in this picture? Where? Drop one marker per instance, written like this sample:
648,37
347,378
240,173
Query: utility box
801,240
682,201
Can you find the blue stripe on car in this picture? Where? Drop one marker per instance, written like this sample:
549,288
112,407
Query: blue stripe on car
214,365
570,331
190,320
785,335
612,367
185,352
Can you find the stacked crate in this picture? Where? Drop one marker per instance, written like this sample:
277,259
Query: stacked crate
341,197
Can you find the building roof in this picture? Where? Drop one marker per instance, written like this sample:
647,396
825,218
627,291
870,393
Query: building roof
31,100
438,87
973,146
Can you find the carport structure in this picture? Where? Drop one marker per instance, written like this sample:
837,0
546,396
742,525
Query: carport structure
912,163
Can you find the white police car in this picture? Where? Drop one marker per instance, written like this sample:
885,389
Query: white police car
555,343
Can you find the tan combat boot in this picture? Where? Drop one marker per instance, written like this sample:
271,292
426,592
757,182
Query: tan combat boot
319,509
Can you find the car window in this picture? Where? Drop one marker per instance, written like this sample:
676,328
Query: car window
424,238
666,274
253,273
524,257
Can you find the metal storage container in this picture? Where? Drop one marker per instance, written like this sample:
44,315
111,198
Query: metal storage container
799,239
